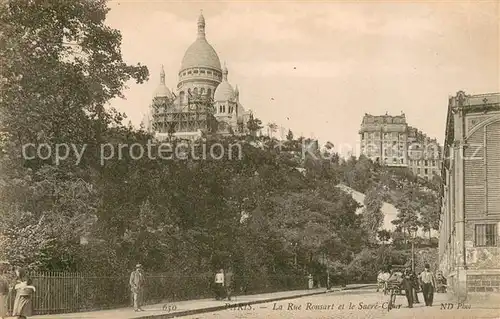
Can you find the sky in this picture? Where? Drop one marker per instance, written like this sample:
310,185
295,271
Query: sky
317,67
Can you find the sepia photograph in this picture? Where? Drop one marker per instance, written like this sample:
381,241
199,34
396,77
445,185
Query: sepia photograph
248,159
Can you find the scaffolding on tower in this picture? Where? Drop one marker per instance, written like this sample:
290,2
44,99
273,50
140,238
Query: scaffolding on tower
196,115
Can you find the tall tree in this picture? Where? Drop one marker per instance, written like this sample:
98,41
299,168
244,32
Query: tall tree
408,206
254,124
273,128
373,218
60,65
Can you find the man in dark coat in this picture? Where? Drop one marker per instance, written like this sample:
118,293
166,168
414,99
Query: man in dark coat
408,283
415,287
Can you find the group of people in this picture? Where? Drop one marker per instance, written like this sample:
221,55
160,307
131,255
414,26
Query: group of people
411,284
222,286
22,288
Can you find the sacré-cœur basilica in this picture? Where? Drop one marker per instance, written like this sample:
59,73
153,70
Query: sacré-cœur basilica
204,101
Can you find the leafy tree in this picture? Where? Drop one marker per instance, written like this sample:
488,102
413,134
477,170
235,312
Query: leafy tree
273,128
372,215
289,136
254,124
407,217
60,65
384,235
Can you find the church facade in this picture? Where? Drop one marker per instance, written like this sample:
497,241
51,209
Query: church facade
204,101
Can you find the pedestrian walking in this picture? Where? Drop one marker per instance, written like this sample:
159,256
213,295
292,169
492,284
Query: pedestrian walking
4,289
428,283
408,281
219,284
24,290
137,287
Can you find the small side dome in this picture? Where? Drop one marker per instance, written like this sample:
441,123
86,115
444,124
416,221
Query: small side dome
162,90
224,91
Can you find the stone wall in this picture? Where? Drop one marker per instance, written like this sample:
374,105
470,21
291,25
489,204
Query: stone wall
483,258
483,283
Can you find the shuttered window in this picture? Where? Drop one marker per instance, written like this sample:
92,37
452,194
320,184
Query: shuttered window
486,235
493,167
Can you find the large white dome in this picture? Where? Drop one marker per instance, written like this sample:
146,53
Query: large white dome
201,53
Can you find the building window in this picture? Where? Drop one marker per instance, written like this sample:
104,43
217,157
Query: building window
426,171
418,171
486,235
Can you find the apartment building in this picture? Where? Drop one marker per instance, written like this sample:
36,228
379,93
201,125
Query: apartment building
389,140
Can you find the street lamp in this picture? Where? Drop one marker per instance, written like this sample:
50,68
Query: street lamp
325,262
294,245
413,233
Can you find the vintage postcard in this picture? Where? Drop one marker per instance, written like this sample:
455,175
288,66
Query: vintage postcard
249,159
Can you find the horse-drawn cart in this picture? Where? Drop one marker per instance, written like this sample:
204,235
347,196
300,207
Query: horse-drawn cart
394,286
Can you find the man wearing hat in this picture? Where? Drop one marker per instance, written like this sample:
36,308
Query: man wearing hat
137,286
428,283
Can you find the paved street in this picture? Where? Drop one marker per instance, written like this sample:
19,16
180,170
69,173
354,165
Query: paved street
317,307
356,304
171,310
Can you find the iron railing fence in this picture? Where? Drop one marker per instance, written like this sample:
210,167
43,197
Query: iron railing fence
67,292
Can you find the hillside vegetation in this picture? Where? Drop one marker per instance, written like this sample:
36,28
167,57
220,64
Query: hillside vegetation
274,211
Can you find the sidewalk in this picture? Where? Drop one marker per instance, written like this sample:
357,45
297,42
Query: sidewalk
445,307
188,307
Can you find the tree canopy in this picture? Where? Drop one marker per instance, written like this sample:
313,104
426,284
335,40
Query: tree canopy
274,210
